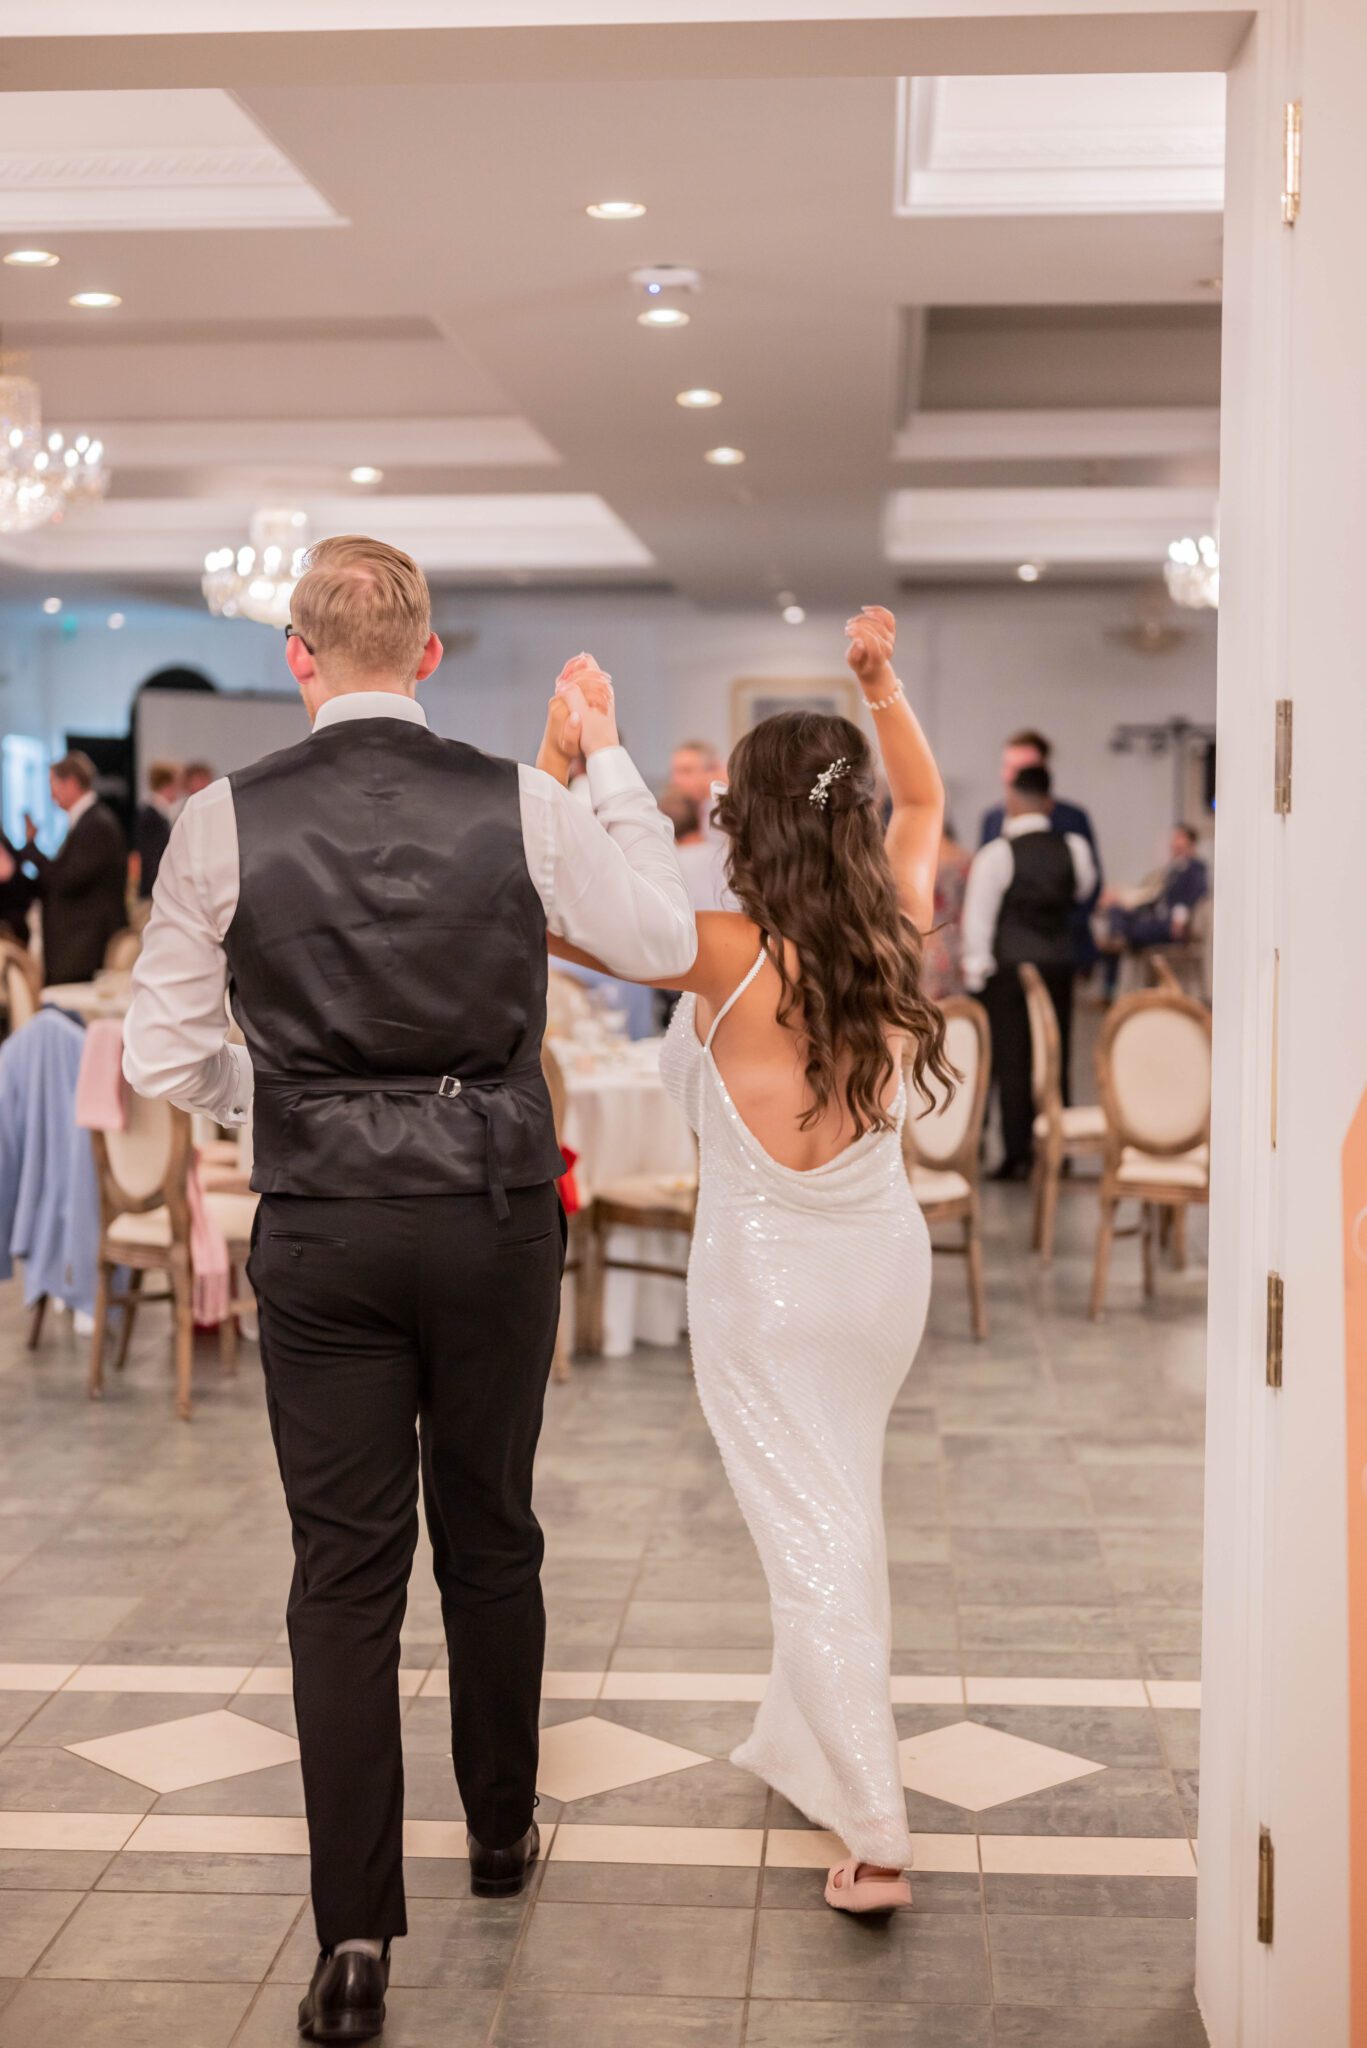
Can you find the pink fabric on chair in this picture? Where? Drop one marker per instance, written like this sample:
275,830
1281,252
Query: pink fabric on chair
208,1257
101,1097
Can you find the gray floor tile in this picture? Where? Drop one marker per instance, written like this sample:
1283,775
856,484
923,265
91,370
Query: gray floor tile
536,2019
137,1871
715,1795
82,1716
413,2019
1031,2027
909,1957
782,2023
162,1937
1125,1736
51,1780
715,1727
50,1870
279,1790
1109,1898
1116,1801
55,2015
28,1923
637,1951
1086,1961
451,1945
646,1884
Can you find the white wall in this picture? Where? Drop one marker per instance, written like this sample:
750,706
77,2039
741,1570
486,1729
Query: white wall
979,662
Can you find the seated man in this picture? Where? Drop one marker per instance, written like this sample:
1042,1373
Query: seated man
1159,913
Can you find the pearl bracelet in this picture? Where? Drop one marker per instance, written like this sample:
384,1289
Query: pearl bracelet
885,703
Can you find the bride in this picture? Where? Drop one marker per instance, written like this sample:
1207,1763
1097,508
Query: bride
810,1268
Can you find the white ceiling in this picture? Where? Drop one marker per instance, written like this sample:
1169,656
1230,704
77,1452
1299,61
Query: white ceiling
918,393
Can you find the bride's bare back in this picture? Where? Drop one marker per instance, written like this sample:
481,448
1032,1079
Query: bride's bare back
762,1062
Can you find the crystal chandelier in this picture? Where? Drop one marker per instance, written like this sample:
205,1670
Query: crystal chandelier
256,581
40,475
1192,572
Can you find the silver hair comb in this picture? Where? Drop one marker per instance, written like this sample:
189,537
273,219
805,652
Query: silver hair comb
820,791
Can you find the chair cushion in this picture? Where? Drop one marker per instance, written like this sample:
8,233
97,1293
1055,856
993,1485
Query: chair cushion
234,1214
150,1230
1149,1169
675,1192
930,1187
1083,1120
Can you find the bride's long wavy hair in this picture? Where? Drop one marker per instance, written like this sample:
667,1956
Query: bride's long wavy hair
817,875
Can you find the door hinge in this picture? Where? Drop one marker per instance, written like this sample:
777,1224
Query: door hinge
1281,764
1291,162
1276,1302
1265,1884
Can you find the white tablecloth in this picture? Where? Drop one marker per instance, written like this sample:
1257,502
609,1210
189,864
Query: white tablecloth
90,998
620,1121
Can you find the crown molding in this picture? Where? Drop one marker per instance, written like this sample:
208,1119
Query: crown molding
126,189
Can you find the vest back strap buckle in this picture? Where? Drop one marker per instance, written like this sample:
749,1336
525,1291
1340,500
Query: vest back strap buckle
448,1086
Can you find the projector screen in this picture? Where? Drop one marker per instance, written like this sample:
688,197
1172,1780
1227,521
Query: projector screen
228,730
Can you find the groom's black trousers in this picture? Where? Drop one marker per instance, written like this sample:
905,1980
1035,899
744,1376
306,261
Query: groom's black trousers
395,1331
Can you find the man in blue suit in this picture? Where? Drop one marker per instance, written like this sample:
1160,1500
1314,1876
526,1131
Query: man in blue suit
1030,749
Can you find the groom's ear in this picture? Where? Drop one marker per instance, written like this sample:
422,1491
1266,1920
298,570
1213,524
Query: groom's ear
299,661
430,659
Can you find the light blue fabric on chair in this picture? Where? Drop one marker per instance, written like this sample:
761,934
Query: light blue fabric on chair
49,1200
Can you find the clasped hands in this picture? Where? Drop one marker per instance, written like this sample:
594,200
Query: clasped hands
581,717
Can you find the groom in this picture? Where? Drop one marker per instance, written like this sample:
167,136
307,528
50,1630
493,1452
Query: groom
377,900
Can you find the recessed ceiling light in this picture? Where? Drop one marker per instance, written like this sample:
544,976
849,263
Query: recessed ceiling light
663,316
32,259
364,474
1029,572
698,396
94,300
793,614
52,605
115,621
725,458
615,209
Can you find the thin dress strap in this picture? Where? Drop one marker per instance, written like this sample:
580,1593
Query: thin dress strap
737,992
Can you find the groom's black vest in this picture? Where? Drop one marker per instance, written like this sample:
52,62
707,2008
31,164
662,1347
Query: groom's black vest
388,968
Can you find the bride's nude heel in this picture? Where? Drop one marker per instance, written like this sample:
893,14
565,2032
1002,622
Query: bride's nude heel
848,1892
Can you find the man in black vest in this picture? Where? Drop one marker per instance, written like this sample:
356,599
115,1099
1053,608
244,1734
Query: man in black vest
82,884
1018,906
378,901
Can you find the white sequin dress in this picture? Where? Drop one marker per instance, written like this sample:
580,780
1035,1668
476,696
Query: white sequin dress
807,1295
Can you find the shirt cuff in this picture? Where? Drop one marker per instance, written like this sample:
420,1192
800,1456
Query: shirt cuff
239,1106
612,772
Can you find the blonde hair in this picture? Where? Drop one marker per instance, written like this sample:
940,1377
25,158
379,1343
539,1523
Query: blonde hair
363,607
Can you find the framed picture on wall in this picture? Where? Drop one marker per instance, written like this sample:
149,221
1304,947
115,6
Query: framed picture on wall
757,697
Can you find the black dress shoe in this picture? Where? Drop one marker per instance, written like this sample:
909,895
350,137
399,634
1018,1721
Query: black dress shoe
345,2001
499,1873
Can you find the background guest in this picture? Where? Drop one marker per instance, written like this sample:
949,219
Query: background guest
694,766
197,775
701,857
82,884
942,971
1030,749
17,892
1159,911
152,826
1018,906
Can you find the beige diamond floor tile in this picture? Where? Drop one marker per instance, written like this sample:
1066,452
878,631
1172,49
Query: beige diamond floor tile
581,1758
170,1756
975,1767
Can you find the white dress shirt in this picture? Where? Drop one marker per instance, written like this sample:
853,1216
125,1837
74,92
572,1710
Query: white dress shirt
80,807
607,877
990,877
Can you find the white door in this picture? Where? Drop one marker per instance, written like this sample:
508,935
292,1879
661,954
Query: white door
1291,1045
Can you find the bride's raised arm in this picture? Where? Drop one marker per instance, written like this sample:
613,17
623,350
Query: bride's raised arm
918,794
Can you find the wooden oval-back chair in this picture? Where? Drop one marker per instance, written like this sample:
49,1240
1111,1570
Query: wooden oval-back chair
942,1146
20,981
1062,1130
143,1174
1153,1068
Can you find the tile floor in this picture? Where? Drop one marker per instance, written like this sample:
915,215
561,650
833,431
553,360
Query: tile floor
1044,1503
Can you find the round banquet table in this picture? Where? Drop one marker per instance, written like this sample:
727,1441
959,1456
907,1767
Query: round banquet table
620,1121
